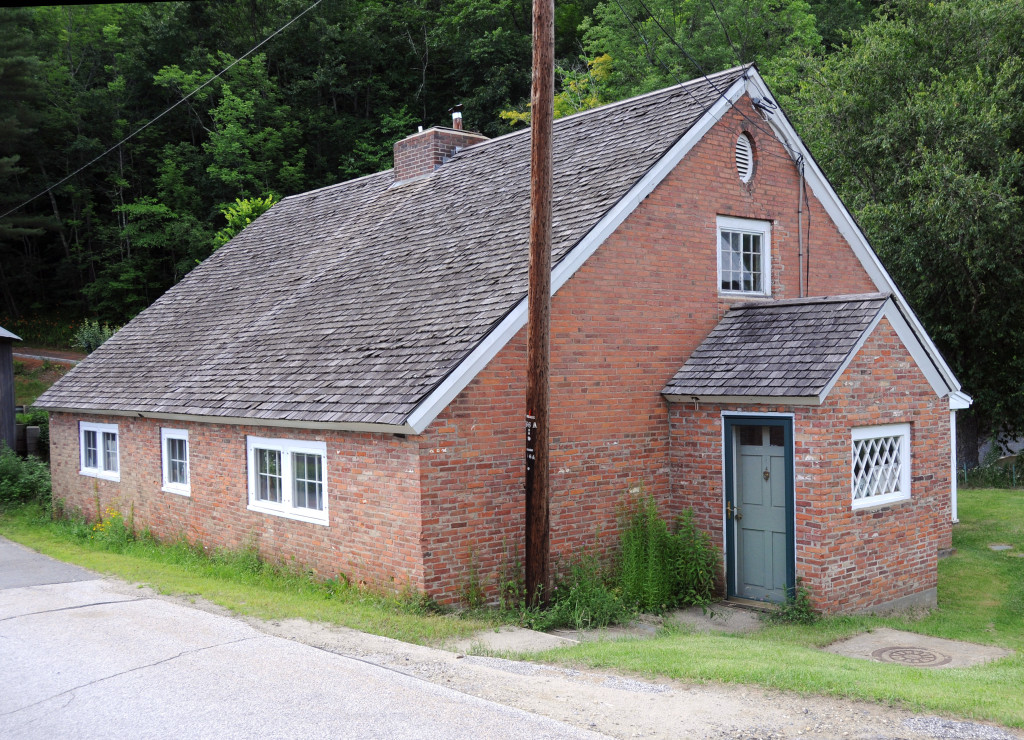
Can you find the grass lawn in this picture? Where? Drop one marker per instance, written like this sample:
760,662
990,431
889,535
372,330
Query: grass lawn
32,377
236,580
981,599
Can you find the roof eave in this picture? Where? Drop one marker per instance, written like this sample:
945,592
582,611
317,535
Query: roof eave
245,420
776,400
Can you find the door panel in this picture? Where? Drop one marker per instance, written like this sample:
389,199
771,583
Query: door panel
761,532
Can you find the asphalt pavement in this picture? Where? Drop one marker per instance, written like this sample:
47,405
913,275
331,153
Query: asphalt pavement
87,657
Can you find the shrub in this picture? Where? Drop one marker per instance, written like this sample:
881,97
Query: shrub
586,599
91,334
23,479
696,563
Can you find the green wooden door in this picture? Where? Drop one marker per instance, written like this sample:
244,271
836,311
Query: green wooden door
760,513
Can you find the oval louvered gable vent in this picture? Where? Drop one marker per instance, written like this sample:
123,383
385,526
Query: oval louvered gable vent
744,157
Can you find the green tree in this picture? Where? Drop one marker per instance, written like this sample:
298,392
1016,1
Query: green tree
919,123
241,214
21,101
646,38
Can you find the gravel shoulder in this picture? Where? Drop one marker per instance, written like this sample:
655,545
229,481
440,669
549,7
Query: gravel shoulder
626,707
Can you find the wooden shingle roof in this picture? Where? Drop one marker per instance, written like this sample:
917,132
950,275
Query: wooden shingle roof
778,349
349,304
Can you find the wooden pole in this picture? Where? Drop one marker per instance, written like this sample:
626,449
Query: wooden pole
541,117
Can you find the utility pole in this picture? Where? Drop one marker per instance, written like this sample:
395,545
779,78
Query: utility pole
537,393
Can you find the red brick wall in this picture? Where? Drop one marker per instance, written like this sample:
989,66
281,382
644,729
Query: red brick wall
372,483
620,329
850,560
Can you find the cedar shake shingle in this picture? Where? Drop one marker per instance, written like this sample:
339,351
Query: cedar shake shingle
351,303
790,348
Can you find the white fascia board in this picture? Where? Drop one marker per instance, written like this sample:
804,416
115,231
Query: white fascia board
774,400
460,377
958,401
918,352
247,421
848,227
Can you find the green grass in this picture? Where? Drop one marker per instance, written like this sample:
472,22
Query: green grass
29,383
981,599
236,580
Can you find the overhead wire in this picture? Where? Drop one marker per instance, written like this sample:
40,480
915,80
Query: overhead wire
704,74
156,118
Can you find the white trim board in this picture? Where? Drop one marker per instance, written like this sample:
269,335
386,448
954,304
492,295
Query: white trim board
244,421
751,83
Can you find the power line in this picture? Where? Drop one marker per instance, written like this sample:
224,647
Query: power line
703,74
656,59
153,120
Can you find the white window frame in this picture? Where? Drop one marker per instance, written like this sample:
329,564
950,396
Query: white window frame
182,489
100,469
287,448
860,434
746,226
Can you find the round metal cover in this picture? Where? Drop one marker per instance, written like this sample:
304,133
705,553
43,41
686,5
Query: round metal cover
915,656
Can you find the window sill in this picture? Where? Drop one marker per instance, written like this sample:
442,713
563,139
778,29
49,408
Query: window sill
875,502
177,490
728,295
319,517
95,473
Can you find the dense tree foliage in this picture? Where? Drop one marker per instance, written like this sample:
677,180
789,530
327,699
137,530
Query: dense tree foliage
913,109
919,122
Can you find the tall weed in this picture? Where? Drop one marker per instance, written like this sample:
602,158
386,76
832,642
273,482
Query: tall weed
659,569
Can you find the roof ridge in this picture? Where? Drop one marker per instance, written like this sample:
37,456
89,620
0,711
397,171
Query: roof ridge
614,104
333,185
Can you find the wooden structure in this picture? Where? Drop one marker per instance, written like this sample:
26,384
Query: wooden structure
7,340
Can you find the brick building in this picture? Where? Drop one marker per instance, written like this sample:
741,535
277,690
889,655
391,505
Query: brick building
343,383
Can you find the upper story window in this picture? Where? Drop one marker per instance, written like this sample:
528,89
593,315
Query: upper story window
744,256
881,465
98,450
287,477
174,447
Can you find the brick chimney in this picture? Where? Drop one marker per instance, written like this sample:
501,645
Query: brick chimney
423,152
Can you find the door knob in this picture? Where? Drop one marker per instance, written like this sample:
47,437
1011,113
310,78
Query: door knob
733,513
767,474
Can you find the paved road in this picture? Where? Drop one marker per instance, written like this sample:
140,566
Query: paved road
85,657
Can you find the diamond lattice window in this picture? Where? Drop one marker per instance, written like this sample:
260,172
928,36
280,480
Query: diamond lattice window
881,464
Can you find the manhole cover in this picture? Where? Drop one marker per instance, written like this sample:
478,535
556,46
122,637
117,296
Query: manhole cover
919,657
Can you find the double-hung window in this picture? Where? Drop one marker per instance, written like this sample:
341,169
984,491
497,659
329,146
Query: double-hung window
97,444
174,447
288,477
881,465
744,257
